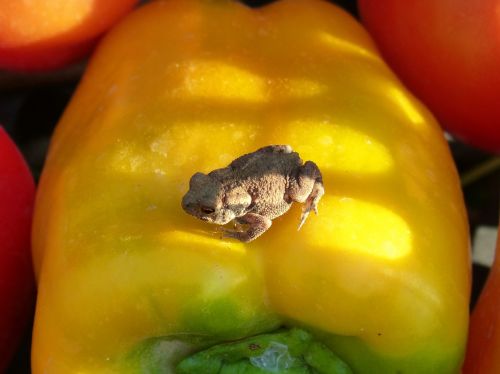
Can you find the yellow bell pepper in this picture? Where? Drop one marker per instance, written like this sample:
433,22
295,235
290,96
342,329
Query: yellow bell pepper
378,282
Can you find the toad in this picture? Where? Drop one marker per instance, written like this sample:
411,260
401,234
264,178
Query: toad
253,190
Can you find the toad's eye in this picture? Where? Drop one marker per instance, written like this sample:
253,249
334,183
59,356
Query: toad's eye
207,210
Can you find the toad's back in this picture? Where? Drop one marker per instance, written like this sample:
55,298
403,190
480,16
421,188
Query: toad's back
265,175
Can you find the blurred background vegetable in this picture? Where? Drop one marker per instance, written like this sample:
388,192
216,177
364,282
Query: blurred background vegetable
49,34
448,53
17,288
483,352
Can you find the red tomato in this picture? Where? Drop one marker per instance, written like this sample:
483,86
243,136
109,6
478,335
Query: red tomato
17,286
483,350
448,53
47,34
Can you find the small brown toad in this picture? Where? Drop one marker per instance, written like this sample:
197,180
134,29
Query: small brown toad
254,189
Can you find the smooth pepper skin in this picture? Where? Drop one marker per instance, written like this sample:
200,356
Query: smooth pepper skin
128,282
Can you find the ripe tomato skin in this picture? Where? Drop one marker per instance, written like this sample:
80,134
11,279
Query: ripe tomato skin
39,35
448,53
17,286
483,349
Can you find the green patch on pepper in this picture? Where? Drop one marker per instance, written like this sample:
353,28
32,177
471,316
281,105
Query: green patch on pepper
226,319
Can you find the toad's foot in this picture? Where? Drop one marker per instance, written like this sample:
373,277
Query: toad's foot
256,223
308,189
312,202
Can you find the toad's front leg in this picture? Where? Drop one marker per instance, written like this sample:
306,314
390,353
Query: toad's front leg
256,223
